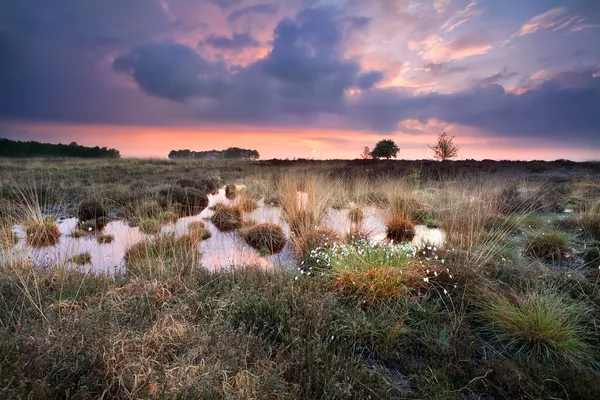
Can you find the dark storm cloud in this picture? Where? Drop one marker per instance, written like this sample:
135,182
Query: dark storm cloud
225,3
566,106
172,71
262,8
236,42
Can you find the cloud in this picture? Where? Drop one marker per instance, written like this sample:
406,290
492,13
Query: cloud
172,71
497,77
443,68
461,17
236,42
225,3
262,8
562,107
553,18
433,48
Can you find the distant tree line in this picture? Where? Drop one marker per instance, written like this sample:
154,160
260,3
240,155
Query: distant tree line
14,148
228,154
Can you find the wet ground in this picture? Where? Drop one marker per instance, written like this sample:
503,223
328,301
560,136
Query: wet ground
222,250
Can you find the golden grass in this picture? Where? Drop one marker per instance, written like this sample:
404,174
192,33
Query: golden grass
399,227
198,231
42,232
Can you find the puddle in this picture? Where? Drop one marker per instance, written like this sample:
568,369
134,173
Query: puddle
221,251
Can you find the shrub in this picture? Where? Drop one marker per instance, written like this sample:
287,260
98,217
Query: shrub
542,323
81,258
547,245
356,215
205,185
231,191
267,238
42,232
90,209
226,218
162,257
192,200
399,227
198,231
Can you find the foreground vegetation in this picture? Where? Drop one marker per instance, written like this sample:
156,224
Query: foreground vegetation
508,308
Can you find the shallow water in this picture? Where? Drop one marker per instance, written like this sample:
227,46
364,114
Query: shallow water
221,251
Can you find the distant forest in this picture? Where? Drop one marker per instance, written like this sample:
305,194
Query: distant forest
232,153
14,148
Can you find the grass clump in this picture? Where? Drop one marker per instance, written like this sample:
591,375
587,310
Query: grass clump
231,191
90,209
547,245
267,238
103,238
356,215
188,200
226,218
540,323
42,232
399,227
319,238
245,203
590,223
7,238
150,226
373,272
198,231
81,258
162,257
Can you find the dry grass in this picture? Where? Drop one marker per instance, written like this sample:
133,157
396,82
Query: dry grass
245,203
356,215
81,258
399,227
165,256
199,231
316,238
231,191
103,238
42,232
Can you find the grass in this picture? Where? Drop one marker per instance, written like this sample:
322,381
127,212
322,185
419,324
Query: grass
198,231
165,256
103,238
267,238
547,245
231,191
150,226
81,258
7,238
542,322
226,218
399,227
42,232
476,319
356,215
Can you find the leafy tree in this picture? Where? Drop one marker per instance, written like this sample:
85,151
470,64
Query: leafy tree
230,153
385,148
14,148
366,154
444,148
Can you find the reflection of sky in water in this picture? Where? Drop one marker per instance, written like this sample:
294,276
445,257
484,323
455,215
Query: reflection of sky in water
221,251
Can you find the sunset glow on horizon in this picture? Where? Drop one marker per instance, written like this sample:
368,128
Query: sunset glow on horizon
305,78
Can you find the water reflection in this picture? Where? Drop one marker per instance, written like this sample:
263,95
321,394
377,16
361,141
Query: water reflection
220,251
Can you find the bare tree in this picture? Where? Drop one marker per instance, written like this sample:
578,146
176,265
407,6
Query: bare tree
444,149
366,154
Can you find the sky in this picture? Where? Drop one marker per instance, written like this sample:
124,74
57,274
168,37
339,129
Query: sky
510,79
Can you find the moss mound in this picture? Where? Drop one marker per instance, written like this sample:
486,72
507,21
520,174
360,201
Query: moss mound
191,201
90,209
267,238
226,218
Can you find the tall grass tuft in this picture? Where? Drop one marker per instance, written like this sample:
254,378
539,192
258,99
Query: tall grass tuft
399,227
42,232
541,323
547,245
267,238
163,257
